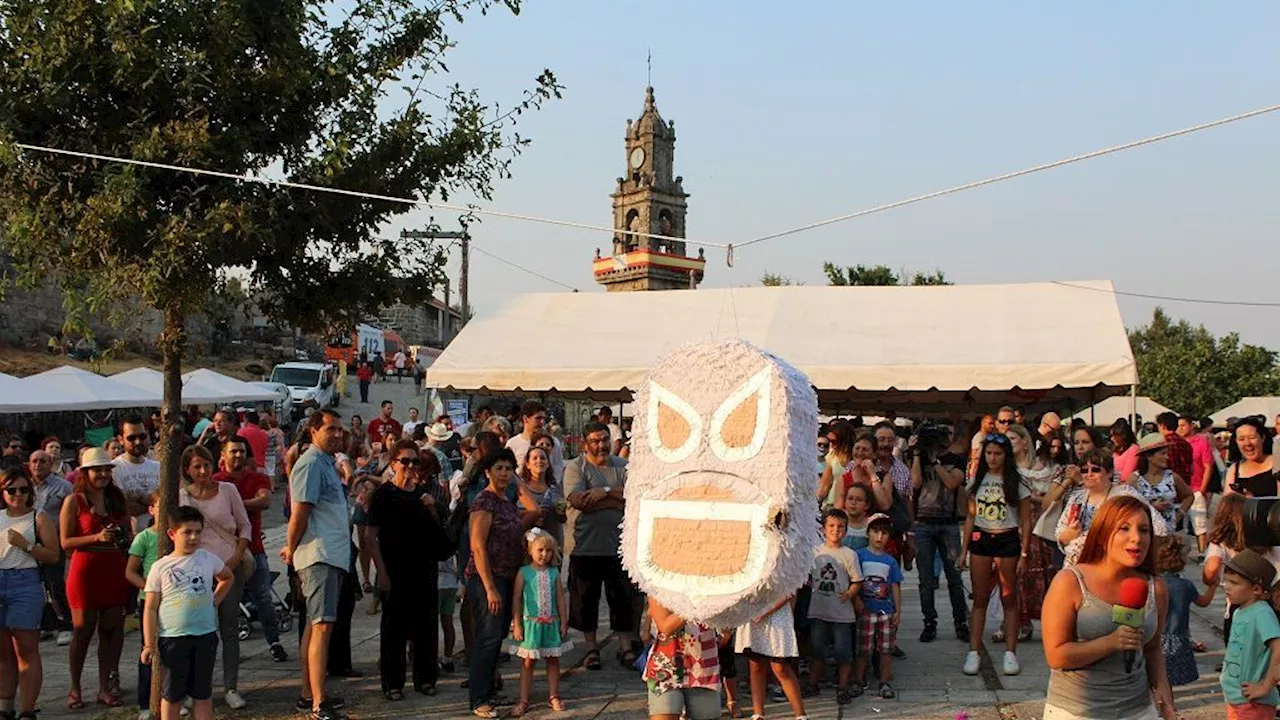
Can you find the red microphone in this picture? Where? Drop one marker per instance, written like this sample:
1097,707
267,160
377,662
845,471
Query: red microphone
1130,611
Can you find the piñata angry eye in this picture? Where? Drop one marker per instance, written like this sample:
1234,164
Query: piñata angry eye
721,513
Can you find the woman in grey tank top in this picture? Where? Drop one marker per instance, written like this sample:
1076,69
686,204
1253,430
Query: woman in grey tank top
1085,648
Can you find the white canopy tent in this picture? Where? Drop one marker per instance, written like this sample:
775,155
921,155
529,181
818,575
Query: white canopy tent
1120,406
84,390
199,387
1268,406
18,396
224,387
958,348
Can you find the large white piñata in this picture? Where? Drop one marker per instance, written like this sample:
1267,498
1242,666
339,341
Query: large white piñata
721,514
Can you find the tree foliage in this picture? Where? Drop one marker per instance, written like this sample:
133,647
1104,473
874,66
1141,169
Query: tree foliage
879,275
774,280
1187,368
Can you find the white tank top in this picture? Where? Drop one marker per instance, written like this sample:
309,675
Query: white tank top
11,558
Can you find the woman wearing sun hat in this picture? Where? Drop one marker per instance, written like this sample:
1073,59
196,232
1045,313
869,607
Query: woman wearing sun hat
95,533
1165,491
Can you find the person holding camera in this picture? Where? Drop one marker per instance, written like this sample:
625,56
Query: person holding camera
937,476
95,533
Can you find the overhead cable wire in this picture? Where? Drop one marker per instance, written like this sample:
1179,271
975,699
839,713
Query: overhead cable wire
430,204
1169,298
524,269
1012,175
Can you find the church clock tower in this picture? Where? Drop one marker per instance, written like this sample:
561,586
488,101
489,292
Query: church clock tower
649,200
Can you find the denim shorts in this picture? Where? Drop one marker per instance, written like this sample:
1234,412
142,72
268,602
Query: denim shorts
695,703
832,639
321,585
21,599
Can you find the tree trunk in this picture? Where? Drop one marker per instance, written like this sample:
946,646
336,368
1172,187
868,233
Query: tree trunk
173,341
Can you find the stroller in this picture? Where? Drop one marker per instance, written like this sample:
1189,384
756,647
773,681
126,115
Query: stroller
249,612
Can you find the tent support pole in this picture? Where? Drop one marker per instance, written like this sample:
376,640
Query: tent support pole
1133,399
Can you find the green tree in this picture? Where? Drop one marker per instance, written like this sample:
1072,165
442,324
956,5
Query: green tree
352,96
1188,369
774,280
879,275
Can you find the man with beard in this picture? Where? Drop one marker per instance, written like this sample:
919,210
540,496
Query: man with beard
136,475
255,491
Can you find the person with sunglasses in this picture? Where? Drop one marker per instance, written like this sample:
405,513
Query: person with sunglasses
1090,486
28,539
136,475
406,522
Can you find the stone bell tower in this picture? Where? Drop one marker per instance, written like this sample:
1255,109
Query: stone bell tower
650,200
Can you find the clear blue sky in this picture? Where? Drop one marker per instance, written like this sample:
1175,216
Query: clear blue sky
788,116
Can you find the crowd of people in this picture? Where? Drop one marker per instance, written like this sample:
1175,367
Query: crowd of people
500,517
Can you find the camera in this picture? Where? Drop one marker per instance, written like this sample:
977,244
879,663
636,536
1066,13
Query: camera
1262,522
931,438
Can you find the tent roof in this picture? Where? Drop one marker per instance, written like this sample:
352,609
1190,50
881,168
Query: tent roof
1120,406
18,396
83,390
1256,405
960,347
225,388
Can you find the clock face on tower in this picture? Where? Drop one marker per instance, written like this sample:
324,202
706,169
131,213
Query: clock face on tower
637,158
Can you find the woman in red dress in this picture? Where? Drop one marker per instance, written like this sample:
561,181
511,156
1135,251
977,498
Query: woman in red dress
95,532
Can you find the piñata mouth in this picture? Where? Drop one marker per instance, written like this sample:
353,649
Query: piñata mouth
704,533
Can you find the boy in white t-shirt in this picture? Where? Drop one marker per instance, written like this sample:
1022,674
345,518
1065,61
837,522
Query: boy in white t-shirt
180,626
835,579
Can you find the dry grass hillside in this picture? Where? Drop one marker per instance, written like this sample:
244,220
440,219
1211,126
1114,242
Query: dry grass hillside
21,363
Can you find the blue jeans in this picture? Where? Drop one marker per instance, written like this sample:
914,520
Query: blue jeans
832,639
259,589
940,543
489,631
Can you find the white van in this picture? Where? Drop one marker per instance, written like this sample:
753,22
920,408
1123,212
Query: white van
310,384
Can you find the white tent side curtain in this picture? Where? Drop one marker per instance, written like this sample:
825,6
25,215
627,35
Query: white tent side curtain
864,348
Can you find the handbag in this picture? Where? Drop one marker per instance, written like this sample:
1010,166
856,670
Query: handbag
1046,527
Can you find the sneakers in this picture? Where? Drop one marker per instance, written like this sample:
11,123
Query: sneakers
277,653
929,634
64,638
971,663
327,713
332,702
234,701
1011,666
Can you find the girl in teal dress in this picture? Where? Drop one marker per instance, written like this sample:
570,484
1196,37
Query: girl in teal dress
540,626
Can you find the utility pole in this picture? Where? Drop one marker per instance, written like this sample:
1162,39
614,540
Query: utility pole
464,240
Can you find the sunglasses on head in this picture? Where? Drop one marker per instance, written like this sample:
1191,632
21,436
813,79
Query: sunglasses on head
997,438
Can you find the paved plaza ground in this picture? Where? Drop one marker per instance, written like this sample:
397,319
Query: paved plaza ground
929,681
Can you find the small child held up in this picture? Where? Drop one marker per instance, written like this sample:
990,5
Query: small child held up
879,604
835,577
539,624
180,626
1252,666
1180,661
143,553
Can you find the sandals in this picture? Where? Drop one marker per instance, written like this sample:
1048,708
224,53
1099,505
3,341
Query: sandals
843,697
555,703
394,695
520,709
111,701
627,658
592,660
1024,633
485,711
887,692
734,711
74,701
1199,647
